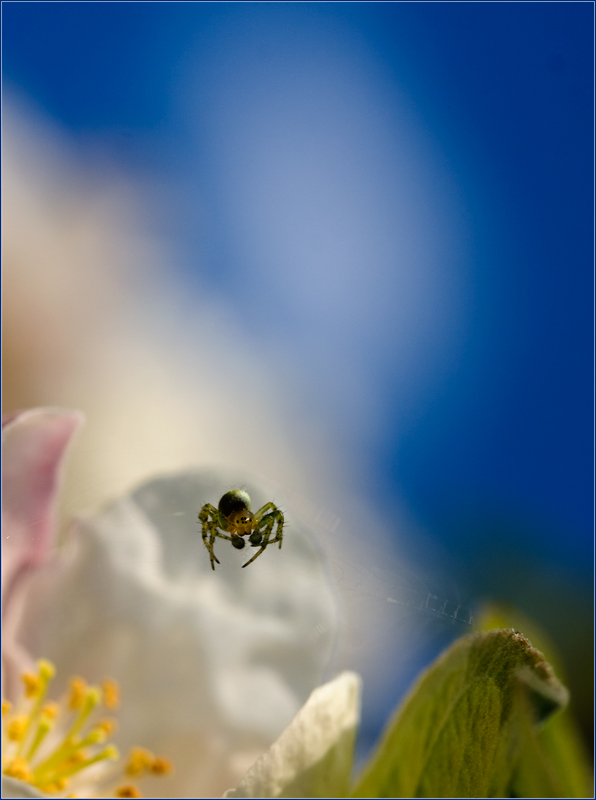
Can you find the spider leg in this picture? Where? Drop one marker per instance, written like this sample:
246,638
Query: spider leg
209,516
268,521
277,517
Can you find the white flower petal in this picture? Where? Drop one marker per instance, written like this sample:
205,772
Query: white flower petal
313,756
13,789
212,664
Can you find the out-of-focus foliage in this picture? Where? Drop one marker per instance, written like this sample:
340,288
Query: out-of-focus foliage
468,727
554,762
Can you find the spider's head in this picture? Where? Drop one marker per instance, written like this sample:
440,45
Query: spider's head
235,507
241,522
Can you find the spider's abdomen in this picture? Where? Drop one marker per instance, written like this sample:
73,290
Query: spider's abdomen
233,502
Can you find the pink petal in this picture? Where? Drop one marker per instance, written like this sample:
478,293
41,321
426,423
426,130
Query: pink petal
33,447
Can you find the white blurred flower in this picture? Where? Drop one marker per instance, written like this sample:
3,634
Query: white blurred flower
212,665
313,756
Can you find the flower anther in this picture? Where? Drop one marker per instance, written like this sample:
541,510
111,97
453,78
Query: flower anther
47,744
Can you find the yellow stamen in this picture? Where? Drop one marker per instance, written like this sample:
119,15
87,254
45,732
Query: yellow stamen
109,753
18,768
108,724
76,758
69,746
161,766
111,693
77,749
44,727
91,699
17,727
36,688
46,670
139,761
95,736
78,687
56,786
129,790
31,683
50,710
67,752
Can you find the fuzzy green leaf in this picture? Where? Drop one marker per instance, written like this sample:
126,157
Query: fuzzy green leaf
554,762
461,730
549,765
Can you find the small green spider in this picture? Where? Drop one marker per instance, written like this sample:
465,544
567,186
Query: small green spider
234,516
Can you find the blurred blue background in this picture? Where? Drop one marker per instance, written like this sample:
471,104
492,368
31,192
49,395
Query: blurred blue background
396,200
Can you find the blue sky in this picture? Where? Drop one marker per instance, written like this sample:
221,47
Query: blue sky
396,200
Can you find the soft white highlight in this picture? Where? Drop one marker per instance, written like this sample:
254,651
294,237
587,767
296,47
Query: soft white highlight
313,757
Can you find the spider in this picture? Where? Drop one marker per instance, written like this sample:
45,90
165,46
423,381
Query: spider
233,515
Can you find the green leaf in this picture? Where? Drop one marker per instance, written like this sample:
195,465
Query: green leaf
549,765
554,762
461,730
